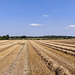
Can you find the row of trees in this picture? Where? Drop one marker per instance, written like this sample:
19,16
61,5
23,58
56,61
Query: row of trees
56,37
18,37
6,37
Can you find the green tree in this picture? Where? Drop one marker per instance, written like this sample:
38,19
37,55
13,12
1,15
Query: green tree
0,38
23,37
7,37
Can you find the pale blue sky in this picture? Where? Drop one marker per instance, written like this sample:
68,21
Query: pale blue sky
37,17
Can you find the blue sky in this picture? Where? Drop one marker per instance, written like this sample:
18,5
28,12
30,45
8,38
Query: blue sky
37,17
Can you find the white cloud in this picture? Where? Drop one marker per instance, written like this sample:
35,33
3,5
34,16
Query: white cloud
34,24
70,26
45,15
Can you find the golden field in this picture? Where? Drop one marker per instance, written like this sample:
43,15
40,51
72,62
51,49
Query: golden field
37,57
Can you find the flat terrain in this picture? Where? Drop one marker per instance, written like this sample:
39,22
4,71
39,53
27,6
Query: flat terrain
37,57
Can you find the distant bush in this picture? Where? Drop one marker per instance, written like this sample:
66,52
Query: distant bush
5,37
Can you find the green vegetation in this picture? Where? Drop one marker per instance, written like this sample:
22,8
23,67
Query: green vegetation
22,43
6,37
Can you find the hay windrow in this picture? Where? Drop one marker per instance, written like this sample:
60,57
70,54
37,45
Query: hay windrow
51,64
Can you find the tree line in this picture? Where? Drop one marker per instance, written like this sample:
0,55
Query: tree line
7,37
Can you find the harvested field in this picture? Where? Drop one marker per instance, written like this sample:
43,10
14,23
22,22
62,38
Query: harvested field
37,57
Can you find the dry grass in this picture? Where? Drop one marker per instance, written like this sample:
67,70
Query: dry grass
19,57
37,66
55,57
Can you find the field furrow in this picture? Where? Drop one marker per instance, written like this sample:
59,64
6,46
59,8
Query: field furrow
37,57
62,61
63,49
17,65
37,66
7,60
